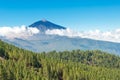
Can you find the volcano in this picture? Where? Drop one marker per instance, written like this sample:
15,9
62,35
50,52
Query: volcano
44,25
44,42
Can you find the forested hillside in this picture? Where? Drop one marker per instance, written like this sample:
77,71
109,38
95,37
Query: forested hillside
20,64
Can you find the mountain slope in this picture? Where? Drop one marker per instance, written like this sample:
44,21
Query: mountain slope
42,42
26,65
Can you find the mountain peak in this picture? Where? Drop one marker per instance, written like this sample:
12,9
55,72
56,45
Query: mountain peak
44,20
44,25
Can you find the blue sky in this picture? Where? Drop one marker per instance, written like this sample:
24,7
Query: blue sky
76,14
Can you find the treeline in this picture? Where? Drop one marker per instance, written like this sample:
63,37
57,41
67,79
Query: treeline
20,64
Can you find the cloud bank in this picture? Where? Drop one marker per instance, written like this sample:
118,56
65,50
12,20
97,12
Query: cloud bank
17,32
113,36
25,32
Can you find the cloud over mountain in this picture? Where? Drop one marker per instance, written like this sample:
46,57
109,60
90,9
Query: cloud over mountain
62,32
24,32
18,32
113,36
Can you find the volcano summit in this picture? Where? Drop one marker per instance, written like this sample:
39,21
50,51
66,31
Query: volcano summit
44,25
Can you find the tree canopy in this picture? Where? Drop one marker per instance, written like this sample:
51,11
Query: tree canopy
20,64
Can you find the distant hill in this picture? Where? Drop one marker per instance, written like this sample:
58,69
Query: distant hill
42,42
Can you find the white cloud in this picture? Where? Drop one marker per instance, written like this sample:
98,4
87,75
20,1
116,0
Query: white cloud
18,32
113,36
62,32
25,32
